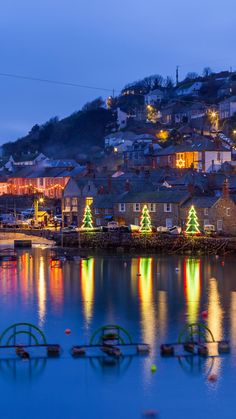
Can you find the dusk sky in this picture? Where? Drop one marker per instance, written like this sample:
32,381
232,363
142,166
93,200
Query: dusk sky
101,43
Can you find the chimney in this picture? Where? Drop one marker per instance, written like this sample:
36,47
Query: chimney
89,167
101,190
191,189
225,189
127,185
109,182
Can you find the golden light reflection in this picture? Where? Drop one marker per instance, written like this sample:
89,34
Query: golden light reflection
215,312
162,313
233,318
192,284
25,273
146,301
41,291
87,288
56,287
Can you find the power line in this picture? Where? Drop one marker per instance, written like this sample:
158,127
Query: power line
62,83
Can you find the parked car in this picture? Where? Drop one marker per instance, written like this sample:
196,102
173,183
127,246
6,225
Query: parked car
209,229
175,230
112,225
70,229
162,229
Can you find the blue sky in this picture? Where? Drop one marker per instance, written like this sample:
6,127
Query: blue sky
105,43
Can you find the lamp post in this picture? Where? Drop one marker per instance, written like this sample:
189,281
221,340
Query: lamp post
37,200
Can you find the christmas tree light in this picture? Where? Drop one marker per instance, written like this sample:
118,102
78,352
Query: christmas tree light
88,219
145,223
192,222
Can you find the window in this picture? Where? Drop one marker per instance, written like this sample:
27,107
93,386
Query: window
136,207
96,210
206,211
228,212
98,221
89,201
152,207
169,222
122,207
206,223
219,225
41,181
167,208
106,211
136,221
74,202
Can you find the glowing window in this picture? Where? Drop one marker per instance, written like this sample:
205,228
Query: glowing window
89,201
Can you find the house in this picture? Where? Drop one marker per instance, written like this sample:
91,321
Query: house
177,113
154,96
29,159
141,154
164,207
190,88
227,108
121,119
29,180
217,211
227,89
201,153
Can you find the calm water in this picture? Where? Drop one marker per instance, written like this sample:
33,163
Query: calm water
153,306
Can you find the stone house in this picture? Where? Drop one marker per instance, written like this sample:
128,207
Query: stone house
164,207
200,153
217,211
227,108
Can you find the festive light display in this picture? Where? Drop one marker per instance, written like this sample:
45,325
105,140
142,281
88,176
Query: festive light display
192,222
145,223
88,219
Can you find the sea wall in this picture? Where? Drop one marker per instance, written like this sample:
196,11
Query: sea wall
154,243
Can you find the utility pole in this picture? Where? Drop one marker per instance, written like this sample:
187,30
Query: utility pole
177,75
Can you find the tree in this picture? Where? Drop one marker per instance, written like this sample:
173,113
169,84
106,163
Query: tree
192,76
207,71
88,219
145,223
94,105
192,222
169,83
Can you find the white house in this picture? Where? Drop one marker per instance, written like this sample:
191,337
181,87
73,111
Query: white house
189,89
121,118
227,108
154,96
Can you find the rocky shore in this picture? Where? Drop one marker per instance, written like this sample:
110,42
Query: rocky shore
155,243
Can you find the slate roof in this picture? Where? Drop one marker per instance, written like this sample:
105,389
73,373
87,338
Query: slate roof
197,144
165,196
201,201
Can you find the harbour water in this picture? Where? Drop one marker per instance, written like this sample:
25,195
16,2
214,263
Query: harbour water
153,298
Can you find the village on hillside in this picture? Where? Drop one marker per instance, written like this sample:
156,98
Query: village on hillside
167,145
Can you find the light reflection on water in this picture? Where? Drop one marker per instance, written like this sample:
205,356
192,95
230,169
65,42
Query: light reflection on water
152,297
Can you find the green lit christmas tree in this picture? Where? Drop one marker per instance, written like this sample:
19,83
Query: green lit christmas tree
192,222
88,219
145,223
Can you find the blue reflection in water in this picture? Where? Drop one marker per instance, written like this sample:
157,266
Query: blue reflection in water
152,297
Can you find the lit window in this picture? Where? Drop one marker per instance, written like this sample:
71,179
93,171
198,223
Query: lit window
136,207
219,225
167,207
96,210
228,212
152,207
89,201
206,211
74,202
122,207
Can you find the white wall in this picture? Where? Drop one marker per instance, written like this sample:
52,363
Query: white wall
212,155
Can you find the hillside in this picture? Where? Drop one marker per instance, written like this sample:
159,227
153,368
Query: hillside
77,135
